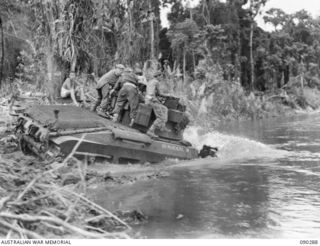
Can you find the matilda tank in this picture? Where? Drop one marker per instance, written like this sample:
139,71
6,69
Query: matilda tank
61,131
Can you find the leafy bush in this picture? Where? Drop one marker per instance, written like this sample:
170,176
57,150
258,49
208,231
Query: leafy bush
221,99
211,98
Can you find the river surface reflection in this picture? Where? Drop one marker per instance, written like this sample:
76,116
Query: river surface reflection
265,184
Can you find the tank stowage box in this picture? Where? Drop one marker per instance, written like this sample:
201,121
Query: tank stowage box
175,116
171,102
172,135
143,115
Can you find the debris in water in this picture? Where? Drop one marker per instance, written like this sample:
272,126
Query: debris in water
134,217
180,216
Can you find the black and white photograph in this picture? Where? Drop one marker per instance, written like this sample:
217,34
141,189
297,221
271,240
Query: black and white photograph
159,119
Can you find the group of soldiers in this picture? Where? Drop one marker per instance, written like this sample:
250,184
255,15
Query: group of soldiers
125,83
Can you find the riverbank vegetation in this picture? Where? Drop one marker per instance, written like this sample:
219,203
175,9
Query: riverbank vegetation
213,54
37,202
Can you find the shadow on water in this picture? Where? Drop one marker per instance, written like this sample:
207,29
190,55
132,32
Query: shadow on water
210,202
261,188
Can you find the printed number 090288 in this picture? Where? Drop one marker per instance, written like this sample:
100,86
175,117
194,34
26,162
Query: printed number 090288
310,242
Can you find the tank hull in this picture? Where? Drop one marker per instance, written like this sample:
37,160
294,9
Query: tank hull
50,137
103,145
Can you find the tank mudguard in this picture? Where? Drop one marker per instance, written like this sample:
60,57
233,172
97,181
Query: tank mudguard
122,149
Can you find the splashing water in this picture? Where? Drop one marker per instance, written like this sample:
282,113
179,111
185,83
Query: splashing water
232,147
252,190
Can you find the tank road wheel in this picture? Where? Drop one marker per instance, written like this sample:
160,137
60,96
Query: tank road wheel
91,160
24,147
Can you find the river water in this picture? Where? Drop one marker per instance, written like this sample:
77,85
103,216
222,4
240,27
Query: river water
264,184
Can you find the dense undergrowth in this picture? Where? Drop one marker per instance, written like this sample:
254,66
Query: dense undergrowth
209,96
211,99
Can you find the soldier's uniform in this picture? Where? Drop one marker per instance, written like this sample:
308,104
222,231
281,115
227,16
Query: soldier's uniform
71,88
128,92
104,85
161,111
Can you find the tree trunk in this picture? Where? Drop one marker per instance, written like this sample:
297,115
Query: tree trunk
53,73
193,56
49,85
238,55
251,58
73,63
184,65
301,82
2,52
151,32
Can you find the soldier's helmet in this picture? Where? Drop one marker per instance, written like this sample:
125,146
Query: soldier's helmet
138,71
156,74
128,70
120,66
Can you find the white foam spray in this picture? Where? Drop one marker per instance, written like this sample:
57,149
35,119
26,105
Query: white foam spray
232,147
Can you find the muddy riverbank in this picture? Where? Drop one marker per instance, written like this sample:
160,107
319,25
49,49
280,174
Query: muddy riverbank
52,200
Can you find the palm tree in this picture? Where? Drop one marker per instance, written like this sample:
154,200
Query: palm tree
2,52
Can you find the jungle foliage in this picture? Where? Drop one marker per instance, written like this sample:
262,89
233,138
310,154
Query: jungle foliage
220,32
88,36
